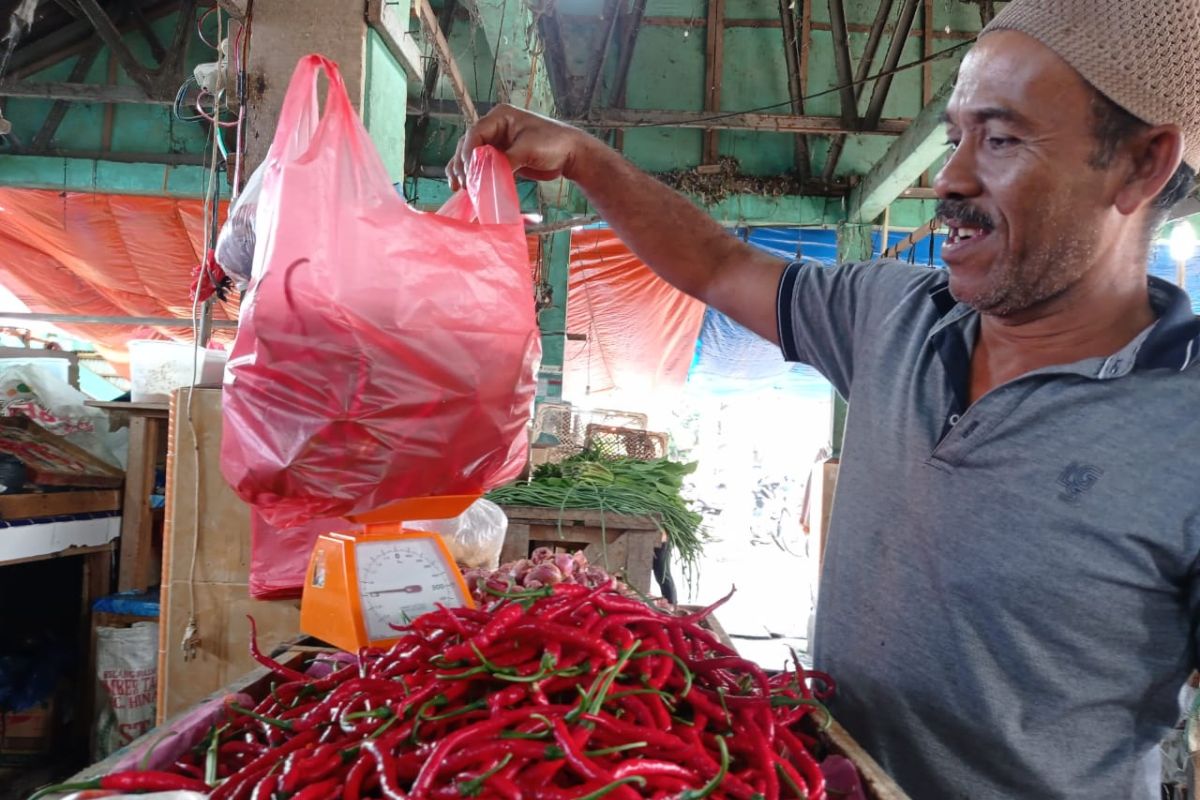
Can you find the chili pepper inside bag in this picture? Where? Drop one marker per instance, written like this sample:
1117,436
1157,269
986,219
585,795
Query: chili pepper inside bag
382,353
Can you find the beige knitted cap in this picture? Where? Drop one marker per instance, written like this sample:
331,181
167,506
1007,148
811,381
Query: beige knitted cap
1143,55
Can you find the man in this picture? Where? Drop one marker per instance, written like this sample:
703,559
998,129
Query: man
1010,599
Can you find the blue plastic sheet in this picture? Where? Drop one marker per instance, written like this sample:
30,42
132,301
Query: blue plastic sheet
138,604
730,359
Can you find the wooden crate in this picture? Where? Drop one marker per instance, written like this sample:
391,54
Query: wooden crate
623,545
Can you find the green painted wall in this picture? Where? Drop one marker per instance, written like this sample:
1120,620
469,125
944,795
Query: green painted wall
384,106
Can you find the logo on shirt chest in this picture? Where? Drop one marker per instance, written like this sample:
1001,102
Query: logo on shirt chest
1077,480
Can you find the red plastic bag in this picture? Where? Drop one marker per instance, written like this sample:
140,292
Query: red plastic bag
279,556
383,353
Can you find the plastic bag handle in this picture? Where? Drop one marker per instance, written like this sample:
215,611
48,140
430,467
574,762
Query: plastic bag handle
300,115
490,196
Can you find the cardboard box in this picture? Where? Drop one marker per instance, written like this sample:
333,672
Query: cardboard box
27,737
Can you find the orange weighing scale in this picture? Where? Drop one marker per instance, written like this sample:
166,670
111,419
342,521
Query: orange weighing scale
360,583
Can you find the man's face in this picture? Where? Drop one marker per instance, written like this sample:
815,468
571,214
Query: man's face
1027,212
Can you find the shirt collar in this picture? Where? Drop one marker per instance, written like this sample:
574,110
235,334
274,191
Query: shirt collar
1172,342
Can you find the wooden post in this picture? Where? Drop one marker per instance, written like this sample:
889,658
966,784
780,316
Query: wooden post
714,69
136,517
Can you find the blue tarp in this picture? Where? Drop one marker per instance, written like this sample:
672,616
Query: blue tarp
731,359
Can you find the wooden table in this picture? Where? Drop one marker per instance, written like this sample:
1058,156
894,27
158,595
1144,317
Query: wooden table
147,440
622,544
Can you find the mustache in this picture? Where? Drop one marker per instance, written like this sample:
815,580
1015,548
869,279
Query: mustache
964,213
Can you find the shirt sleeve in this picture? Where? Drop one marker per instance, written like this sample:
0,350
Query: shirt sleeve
826,313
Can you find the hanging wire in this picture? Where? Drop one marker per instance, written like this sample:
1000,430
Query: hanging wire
940,54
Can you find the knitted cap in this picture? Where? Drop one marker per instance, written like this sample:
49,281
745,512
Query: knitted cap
1144,56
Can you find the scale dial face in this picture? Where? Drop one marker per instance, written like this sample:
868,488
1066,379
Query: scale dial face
401,579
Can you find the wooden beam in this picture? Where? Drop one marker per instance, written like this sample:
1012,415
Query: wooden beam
923,232
79,71
883,85
104,26
70,8
841,61
860,75
110,110
165,159
599,57
83,93
616,118
72,39
434,30
555,57
851,27
714,68
909,156
631,28
169,73
805,42
143,25
791,52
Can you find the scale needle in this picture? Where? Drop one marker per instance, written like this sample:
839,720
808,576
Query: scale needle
406,589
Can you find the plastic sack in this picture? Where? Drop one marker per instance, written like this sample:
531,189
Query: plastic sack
126,685
383,353
279,556
235,242
475,537
33,391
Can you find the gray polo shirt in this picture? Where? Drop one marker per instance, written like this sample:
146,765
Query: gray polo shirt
1010,596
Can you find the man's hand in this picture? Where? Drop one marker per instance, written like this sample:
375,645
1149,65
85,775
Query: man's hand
673,237
538,147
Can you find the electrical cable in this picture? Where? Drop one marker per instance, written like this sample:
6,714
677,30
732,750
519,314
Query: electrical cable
940,54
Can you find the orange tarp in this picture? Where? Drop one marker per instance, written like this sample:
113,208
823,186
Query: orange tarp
641,331
104,255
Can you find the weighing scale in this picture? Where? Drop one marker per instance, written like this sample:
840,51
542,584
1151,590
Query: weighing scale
360,583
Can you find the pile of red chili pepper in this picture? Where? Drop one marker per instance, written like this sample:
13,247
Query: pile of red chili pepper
564,692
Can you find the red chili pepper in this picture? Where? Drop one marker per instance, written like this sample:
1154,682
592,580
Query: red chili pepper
327,789
504,619
802,758
551,630
265,788
385,769
270,663
149,781
247,775
648,766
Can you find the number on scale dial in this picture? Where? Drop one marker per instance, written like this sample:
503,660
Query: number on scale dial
399,580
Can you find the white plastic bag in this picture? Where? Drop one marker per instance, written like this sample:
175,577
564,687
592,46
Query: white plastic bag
126,685
32,391
235,242
475,537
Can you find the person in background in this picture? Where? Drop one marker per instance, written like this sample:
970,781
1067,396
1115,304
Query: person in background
1010,599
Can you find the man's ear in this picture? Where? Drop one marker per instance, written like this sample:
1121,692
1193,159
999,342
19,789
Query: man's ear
1155,155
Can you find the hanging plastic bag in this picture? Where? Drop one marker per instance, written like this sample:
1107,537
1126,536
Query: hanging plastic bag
383,353
475,537
279,556
235,242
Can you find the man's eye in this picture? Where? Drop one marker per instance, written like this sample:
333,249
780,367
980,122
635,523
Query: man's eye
1000,142
952,144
